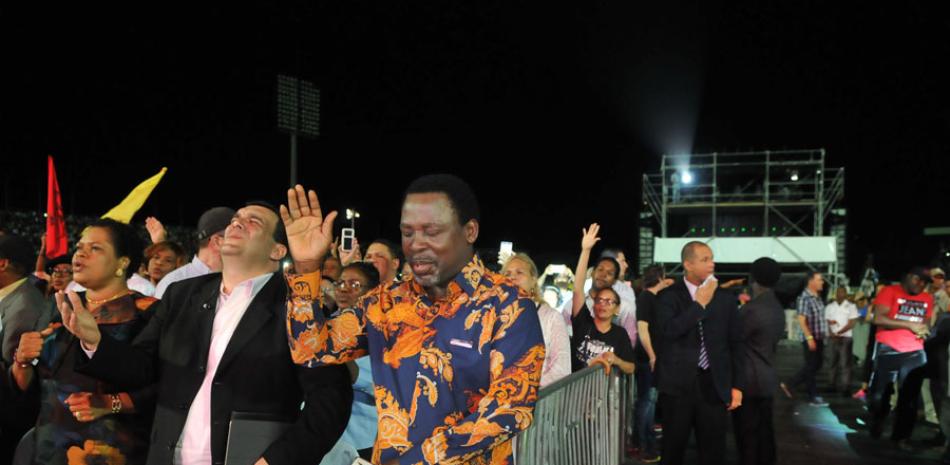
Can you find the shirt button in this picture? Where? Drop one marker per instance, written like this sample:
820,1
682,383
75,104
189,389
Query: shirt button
201,369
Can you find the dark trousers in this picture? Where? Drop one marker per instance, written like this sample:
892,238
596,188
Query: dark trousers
869,355
944,417
755,434
841,364
937,359
809,372
645,409
909,400
893,368
701,410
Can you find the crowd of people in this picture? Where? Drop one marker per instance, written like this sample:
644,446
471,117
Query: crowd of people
894,341
31,225
136,351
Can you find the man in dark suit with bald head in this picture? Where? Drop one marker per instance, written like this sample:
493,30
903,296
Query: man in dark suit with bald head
699,368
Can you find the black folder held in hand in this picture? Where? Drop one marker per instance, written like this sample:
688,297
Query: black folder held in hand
250,434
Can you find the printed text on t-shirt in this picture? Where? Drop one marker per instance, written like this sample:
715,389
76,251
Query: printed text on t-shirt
911,310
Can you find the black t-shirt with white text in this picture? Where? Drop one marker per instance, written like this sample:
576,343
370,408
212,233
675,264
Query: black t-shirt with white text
589,343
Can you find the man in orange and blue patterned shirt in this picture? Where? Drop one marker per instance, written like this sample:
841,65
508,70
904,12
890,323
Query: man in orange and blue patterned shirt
456,351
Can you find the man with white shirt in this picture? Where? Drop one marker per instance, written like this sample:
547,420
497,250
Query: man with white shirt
211,227
842,315
216,345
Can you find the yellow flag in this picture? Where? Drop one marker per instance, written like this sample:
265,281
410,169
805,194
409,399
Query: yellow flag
124,211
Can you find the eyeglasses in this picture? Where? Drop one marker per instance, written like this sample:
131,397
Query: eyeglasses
605,301
351,284
62,272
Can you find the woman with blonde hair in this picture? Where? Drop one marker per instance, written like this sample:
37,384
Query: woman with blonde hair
522,271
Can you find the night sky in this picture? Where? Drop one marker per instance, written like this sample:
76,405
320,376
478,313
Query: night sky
551,112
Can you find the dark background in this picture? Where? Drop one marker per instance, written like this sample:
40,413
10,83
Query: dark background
551,111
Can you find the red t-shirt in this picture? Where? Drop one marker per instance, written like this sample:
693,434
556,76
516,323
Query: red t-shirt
903,307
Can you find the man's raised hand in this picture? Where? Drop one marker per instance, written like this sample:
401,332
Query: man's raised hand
309,234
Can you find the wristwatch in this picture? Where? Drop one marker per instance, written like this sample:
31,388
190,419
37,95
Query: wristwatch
33,362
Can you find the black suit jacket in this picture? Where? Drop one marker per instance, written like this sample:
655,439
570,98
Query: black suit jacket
678,320
17,414
763,326
24,310
255,374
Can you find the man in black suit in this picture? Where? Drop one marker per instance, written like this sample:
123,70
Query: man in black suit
217,344
763,324
22,306
699,366
22,309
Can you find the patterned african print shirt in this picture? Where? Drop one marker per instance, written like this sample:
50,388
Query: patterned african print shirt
455,378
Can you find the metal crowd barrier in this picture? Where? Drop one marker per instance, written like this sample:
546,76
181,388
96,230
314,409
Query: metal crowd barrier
579,420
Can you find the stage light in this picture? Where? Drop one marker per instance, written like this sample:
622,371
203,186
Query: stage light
352,215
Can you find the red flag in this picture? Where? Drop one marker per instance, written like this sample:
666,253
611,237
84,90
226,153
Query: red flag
56,243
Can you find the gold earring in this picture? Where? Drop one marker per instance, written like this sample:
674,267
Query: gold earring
119,273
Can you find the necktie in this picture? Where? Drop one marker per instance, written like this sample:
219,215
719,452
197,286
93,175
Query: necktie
703,353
